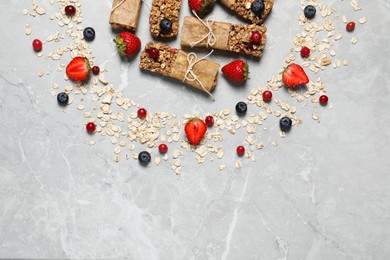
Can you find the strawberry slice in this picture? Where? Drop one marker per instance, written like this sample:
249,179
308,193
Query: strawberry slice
78,69
294,75
195,130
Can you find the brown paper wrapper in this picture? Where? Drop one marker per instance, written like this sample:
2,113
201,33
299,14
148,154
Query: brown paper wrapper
126,15
205,70
193,30
229,37
173,63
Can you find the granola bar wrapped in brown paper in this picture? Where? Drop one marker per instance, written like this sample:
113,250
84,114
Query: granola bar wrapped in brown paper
125,13
197,72
222,36
243,9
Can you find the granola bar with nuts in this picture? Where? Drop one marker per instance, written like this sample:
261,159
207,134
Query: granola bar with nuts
245,9
197,72
164,18
223,36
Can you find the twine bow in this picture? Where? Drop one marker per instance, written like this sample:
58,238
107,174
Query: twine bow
190,75
123,1
211,39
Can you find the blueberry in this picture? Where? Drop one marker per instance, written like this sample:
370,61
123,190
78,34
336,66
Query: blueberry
241,108
166,25
309,12
258,7
89,34
62,98
144,158
285,124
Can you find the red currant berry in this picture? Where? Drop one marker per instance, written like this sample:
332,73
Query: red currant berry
37,45
91,127
163,148
323,99
95,70
70,10
267,96
305,52
240,150
350,26
209,120
153,53
256,37
142,113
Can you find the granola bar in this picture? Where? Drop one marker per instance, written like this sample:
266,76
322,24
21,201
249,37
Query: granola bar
243,9
125,13
164,18
175,63
222,36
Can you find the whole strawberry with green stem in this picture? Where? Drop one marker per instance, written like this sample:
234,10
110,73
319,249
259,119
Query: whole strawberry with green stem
236,71
128,44
201,7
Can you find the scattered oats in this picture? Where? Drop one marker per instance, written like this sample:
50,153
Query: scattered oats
250,140
41,73
338,37
178,171
176,137
353,40
277,113
363,20
222,167
259,146
282,134
315,117
131,147
135,155
157,160
107,99
92,142
87,114
116,158
27,31
238,164
25,11
274,143
117,150
80,107
345,19
176,154
220,153
345,62
113,140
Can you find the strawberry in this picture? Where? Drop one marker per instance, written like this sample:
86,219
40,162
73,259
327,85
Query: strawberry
195,129
294,75
78,69
201,7
236,71
128,44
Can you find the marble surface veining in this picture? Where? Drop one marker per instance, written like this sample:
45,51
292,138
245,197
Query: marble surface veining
322,193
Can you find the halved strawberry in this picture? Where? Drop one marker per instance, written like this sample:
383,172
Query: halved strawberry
294,75
201,7
195,129
237,70
78,69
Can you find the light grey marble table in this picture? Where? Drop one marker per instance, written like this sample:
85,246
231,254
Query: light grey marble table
322,193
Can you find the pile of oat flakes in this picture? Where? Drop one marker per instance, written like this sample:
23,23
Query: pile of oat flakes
129,134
